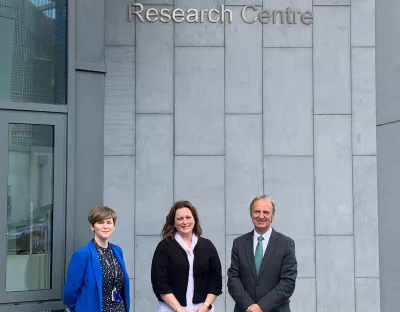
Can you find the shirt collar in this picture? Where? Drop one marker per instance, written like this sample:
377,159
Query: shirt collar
181,242
266,235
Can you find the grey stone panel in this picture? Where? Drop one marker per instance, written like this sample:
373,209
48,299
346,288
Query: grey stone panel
132,293
332,2
291,175
119,181
145,299
199,102
90,31
388,215
119,31
304,297
154,172
200,179
387,64
333,175
229,303
364,97
200,34
244,169
88,170
119,111
335,274
363,23
228,248
220,301
366,238
305,255
155,66
243,2
288,104
367,295
286,35
243,65
166,2
332,79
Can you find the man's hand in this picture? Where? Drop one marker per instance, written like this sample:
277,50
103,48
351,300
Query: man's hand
202,308
254,308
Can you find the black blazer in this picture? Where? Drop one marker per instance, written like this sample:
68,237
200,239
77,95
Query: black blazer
170,270
272,287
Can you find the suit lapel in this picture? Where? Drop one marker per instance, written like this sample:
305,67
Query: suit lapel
250,253
268,252
98,273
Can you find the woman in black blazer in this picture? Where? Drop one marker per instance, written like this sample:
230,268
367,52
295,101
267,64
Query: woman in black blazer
186,270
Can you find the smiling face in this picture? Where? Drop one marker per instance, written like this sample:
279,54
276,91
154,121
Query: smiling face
262,215
184,221
103,229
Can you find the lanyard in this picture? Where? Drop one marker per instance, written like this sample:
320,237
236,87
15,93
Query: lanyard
115,271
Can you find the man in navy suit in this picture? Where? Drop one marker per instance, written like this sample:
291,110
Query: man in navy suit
263,270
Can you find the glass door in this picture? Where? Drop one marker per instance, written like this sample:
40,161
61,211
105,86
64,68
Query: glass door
32,201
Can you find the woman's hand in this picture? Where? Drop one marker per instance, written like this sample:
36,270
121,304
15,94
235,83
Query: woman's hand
202,308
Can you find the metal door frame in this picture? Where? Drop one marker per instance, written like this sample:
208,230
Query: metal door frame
59,121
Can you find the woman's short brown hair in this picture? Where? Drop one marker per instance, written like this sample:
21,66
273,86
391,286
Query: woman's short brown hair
101,213
169,229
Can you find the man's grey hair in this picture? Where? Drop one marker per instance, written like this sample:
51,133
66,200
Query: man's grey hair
264,197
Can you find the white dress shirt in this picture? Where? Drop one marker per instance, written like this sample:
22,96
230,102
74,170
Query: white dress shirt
266,236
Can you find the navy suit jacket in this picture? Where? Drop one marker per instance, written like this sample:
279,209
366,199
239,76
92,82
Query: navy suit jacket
274,284
84,284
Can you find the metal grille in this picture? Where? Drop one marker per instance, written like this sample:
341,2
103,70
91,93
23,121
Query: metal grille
27,135
39,65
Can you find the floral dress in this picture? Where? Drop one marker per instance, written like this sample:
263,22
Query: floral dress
110,266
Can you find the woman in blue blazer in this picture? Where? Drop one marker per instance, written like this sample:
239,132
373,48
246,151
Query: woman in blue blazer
97,280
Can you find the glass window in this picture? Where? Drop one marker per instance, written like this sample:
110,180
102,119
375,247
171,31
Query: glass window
33,51
32,197
29,207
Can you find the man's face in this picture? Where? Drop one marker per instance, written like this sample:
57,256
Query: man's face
262,215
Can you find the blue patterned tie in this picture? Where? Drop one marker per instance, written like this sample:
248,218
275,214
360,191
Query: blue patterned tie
259,253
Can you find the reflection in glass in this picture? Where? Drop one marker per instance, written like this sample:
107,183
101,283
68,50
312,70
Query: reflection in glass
33,51
29,207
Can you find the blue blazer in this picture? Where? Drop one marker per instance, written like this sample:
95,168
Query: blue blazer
83,288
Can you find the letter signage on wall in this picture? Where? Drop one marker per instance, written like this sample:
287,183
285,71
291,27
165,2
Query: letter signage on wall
250,14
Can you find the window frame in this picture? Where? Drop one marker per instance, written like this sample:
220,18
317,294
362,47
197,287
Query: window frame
59,121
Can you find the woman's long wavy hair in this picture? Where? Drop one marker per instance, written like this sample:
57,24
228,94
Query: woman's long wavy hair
169,229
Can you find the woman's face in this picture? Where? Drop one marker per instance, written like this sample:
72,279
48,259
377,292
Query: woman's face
103,229
184,221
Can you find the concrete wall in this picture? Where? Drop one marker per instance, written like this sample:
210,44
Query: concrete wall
218,113
388,129
86,122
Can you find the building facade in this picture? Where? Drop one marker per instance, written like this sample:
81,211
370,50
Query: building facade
99,105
